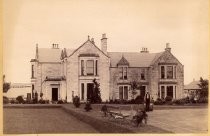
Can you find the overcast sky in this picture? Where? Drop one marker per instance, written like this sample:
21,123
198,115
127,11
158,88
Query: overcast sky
129,25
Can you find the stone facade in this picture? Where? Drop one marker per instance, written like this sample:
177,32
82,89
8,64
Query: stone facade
62,74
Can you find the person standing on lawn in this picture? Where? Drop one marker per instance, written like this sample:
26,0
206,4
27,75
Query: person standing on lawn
147,100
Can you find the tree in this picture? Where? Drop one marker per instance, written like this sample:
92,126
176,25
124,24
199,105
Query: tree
96,97
6,86
204,85
134,86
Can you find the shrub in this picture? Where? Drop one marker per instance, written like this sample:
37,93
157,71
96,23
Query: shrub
76,101
168,99
12,101
60,102
159,102
5,100
139,99
132,101
88,106
41,101
203,100
35,101
181,101
20,99
29,102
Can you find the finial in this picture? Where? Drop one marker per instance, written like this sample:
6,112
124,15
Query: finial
88,37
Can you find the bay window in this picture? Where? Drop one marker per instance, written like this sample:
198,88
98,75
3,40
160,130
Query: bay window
168,72
123,92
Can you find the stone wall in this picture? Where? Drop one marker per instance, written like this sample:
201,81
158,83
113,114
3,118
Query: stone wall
73,71
134,74
166,59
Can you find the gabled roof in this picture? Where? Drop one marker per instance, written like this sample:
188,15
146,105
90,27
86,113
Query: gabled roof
49,55
52,54
135,59
123,61
192,86
84,44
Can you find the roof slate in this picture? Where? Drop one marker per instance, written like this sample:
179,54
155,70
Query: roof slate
51,54
135,59
192,86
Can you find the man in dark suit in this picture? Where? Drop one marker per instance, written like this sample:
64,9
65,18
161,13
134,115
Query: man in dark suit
147,100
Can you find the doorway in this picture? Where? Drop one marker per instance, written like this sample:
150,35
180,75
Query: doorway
89,90
54,94
170,91
142,91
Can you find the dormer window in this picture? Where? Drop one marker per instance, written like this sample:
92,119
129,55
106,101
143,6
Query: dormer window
123,65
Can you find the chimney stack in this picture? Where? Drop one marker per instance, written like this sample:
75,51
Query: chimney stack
104,43
92,40
54,46
168,47
144,50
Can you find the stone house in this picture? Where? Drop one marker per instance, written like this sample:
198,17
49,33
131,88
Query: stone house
64,73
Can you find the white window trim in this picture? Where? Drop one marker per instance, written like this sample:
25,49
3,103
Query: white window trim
165,68
165,90
123,91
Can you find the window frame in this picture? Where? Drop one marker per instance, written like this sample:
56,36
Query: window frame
88,67
123,92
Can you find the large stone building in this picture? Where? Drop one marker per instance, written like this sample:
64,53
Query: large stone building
63,73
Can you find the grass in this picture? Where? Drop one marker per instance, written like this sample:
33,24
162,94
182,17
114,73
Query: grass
105,125
36,121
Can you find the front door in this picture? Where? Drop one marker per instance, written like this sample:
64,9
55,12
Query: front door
170,91
89,90
142,91
54,94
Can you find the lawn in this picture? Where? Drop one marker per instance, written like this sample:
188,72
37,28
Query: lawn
105,125
42,120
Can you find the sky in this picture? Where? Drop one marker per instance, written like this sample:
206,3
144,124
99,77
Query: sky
128,24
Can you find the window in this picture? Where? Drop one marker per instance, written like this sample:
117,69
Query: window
82,67
169,72
32,90
82,91
96,67
123,73
32,71
123,92
174,71
162,92
90,67
170,91
162,72
142,74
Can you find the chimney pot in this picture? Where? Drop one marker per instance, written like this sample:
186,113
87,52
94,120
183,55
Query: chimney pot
168,47
103,36
92,40
104,43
